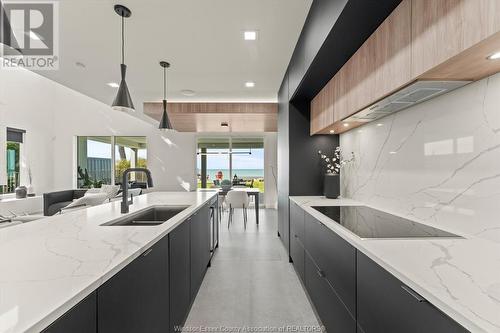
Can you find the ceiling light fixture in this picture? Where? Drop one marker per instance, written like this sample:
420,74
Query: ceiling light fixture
113,84
188,92
249,84
379,125
250,35
332,131
165,123
346,125
494,56
123,101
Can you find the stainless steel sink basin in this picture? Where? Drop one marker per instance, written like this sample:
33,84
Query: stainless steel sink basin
148,217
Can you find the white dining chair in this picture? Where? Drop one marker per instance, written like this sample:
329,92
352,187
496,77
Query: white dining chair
237,199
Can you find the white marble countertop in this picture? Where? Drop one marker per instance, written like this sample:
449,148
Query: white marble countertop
461,277
49,265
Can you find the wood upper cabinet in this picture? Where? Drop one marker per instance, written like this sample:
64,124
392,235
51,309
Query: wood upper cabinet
379,67
445,28
419,40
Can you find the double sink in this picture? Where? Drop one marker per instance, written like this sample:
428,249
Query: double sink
148,217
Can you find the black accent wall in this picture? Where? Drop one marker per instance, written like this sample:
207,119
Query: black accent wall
332,33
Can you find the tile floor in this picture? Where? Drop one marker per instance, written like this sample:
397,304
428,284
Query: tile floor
251,284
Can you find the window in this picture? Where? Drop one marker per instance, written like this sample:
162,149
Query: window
94,161
130,152
102,159
15,138
240,160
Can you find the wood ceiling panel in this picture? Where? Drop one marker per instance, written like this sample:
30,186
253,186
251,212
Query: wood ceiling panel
207,117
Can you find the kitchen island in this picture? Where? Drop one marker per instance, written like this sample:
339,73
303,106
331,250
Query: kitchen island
50,265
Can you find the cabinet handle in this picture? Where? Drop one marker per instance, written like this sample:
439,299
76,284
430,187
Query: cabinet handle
413,294
321,273
148,251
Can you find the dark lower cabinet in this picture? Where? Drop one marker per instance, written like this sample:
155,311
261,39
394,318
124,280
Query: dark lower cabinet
297,238
82,318
385,304
199,247
297,253
136,299
180,275
332,311
336,258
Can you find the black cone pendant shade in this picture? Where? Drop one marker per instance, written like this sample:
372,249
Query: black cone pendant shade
123,101
165,123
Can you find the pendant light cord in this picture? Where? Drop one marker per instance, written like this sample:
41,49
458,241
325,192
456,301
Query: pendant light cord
164,83
123,40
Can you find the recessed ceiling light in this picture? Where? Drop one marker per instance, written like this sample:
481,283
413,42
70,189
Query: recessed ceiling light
250,35
250,84
494,56
113,85
393,152
188,92
332,131
346,125
379,124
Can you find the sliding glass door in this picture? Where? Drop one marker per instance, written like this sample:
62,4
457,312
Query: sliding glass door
239,160
213,162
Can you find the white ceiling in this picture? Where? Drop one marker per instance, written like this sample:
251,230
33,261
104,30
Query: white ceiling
202,39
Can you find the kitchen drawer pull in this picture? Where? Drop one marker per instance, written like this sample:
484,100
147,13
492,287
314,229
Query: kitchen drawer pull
148,251
413,293
321,273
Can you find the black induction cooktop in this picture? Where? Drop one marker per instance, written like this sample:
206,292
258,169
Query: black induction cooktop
367,222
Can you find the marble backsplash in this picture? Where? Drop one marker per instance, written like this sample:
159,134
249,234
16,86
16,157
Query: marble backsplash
438,161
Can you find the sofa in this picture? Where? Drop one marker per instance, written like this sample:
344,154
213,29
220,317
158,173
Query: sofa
54,201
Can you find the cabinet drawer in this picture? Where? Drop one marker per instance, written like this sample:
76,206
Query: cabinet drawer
297,253
82,318
330,308
180,272
385,304
335,257
136,299
296,222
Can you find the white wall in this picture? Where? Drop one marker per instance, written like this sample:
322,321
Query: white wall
26,102
53,115
438,161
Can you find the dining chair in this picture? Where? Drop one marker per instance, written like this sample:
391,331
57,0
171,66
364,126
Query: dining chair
237,199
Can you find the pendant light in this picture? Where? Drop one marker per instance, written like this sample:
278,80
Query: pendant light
123,101
165,123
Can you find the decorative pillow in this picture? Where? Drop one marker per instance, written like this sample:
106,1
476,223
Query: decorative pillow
110,190
89,199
